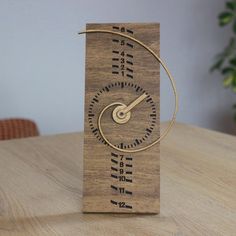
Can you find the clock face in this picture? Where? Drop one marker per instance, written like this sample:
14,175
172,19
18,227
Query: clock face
137,114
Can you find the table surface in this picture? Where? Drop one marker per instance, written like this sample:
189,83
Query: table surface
41,188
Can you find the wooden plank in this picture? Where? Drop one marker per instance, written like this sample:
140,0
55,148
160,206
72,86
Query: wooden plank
41,188
118,70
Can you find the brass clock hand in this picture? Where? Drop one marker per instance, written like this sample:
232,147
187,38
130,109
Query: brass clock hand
121,114
134,103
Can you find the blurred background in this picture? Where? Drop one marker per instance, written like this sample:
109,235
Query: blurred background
42,59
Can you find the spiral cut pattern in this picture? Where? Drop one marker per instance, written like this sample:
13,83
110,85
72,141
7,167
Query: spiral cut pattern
167,130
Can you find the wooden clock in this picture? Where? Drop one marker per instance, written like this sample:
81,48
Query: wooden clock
122,119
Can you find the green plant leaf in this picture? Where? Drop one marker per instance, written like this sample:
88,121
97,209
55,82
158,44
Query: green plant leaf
228,80
234,89
217,65
225,18
233,84
230,48
227,70
233,61
234,26
234,116
231,5
234,81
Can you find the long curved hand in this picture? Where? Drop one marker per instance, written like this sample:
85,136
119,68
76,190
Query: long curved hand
134,103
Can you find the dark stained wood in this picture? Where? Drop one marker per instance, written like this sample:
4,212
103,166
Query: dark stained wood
118,70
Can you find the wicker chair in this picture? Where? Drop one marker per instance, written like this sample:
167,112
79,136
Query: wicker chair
17,128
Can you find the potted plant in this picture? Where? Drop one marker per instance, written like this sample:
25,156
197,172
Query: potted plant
225,61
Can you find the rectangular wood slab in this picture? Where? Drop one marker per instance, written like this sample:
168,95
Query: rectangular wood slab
115,181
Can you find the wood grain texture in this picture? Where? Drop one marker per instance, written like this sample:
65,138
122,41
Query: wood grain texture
41,188
118,70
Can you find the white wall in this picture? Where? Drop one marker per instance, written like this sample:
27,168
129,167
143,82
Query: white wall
42,58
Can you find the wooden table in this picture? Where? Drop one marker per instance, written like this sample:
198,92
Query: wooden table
41,188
